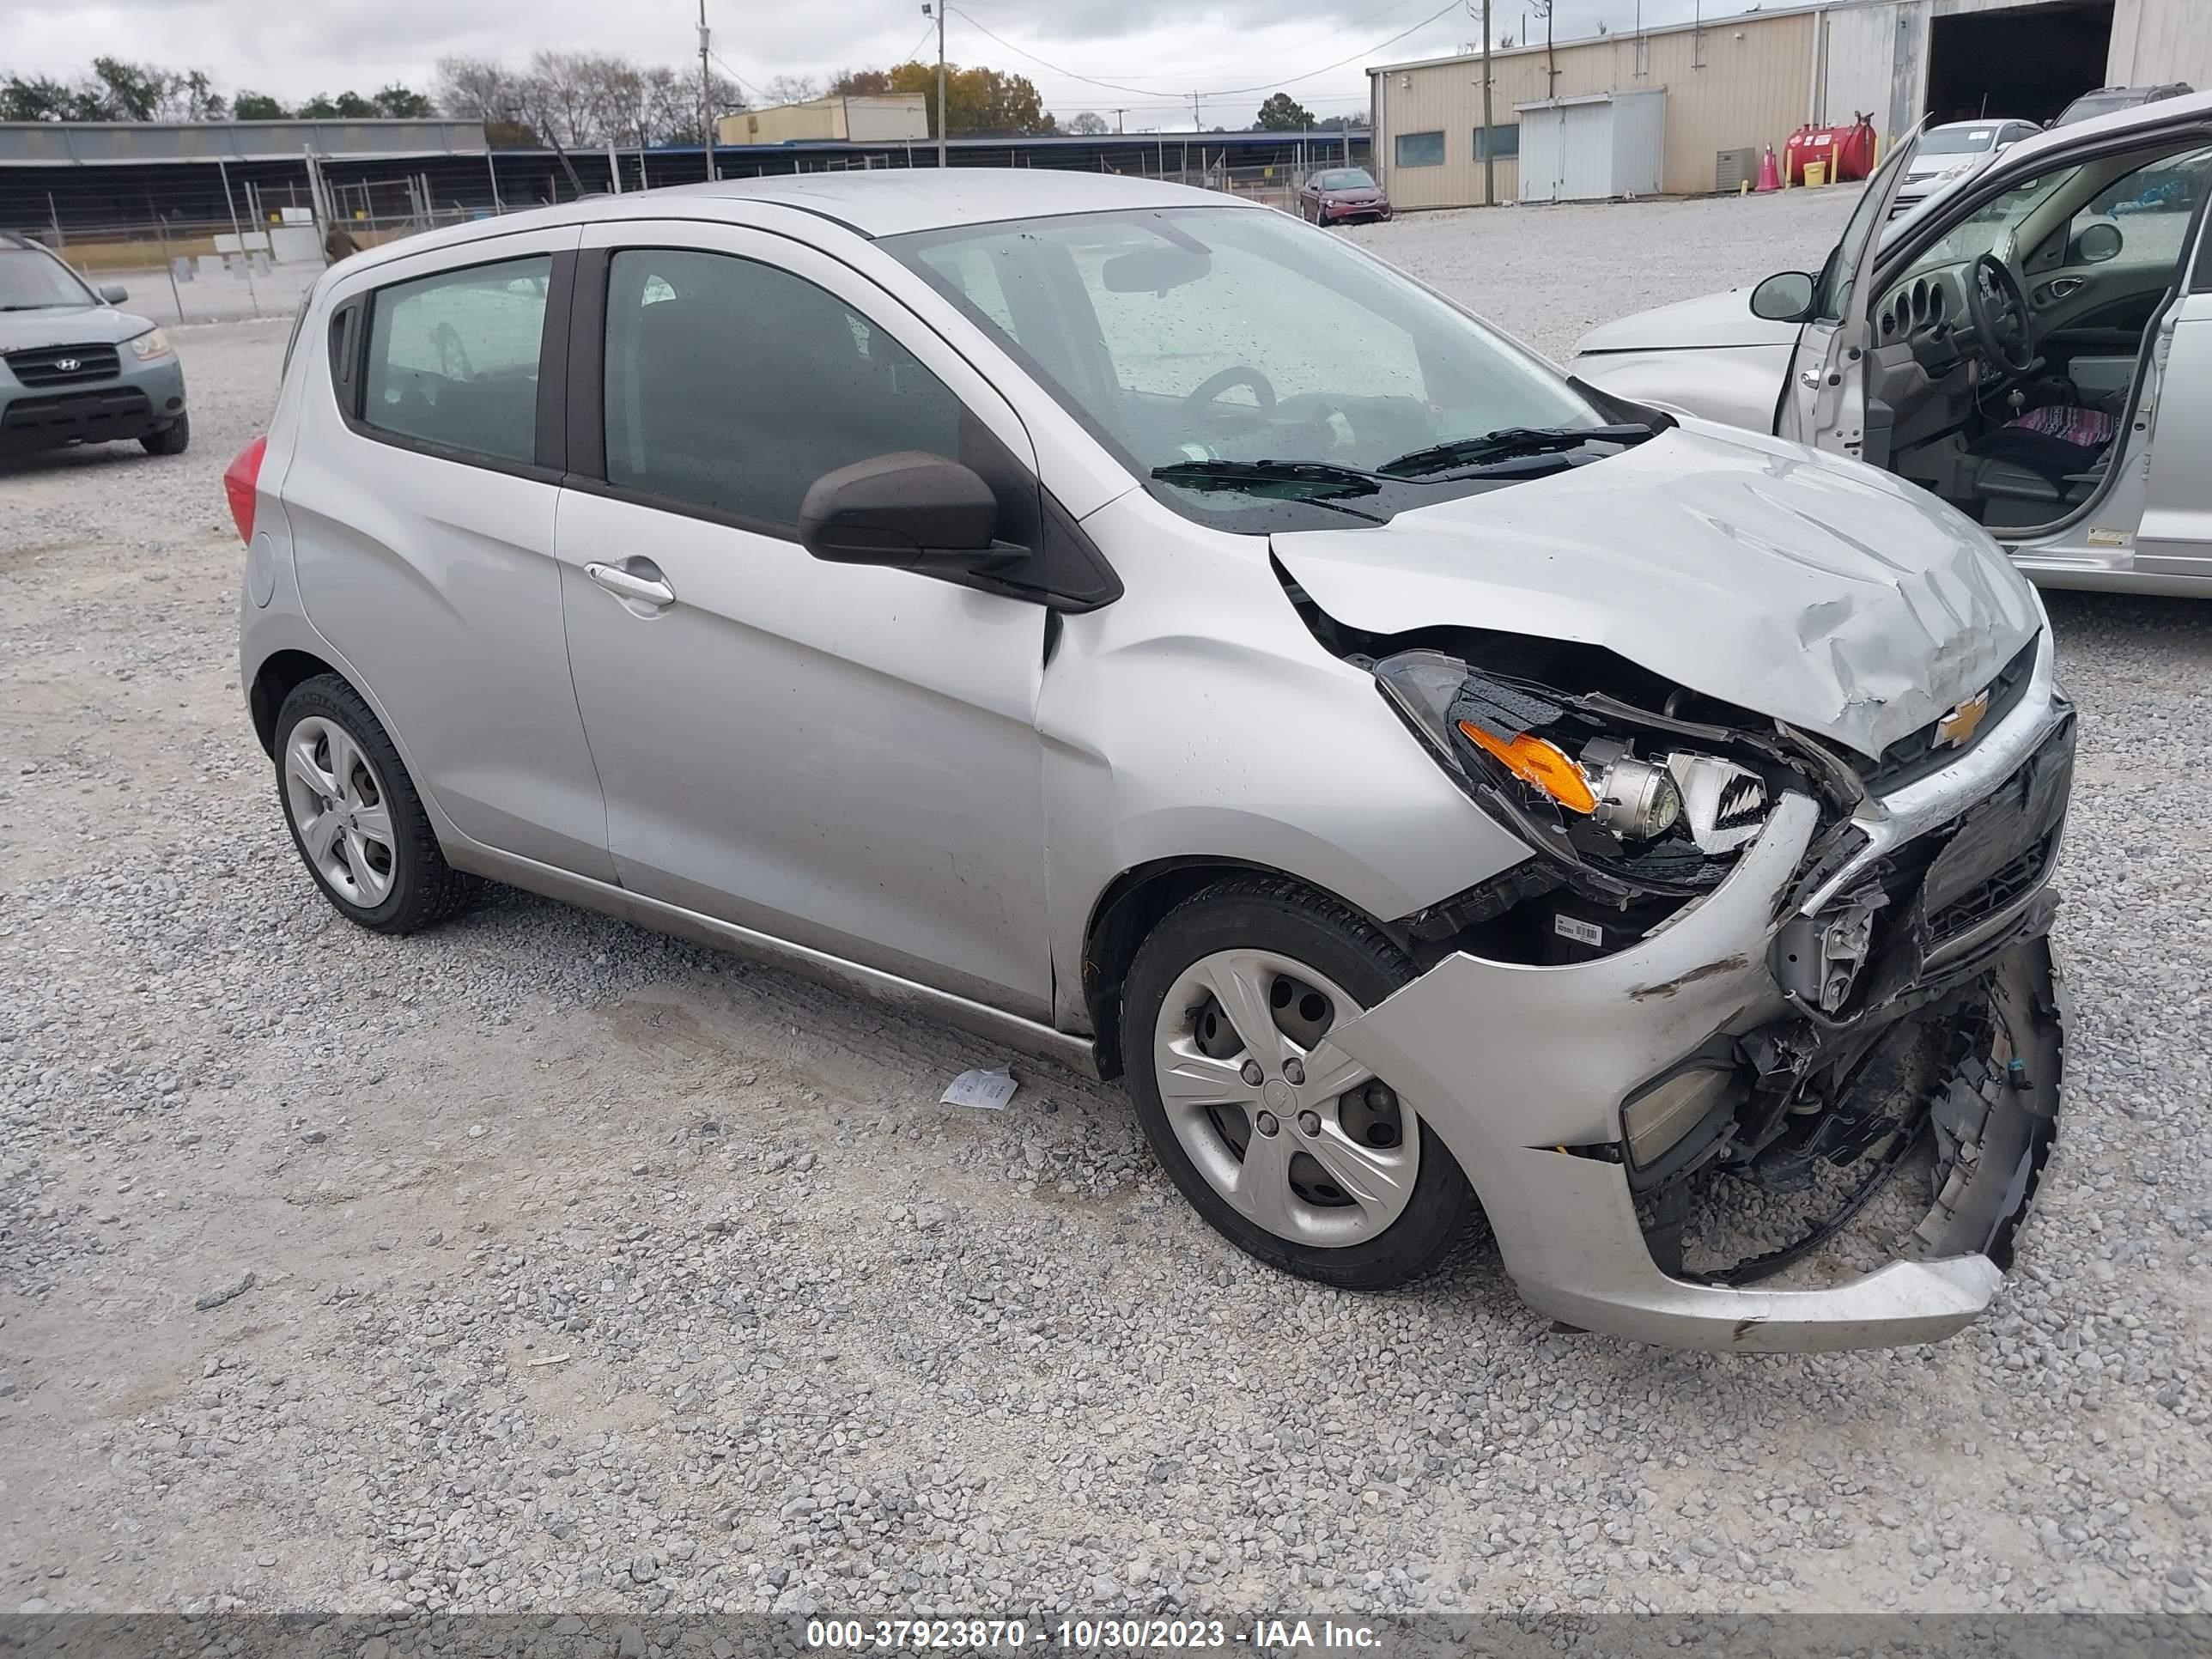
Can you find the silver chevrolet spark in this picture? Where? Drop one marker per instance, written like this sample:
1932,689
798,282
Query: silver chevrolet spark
1134,626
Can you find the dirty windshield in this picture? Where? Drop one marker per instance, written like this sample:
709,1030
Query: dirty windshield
1198,343
32,281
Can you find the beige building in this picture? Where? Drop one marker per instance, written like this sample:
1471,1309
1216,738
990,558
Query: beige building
862,120
1571,122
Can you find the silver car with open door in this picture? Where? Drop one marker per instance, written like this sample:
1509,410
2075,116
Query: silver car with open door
2033,346
1145,630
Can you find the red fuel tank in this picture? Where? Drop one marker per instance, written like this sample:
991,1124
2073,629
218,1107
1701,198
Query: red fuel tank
1847,152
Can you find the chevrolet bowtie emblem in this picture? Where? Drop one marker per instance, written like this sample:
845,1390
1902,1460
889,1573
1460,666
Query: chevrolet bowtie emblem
1956,729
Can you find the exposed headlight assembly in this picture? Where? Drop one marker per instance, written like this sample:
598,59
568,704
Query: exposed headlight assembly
1634,813
149,346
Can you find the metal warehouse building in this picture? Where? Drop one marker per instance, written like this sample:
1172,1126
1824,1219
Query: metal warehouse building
1686,108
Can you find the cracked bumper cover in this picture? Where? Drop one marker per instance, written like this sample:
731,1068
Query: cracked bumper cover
1579,1038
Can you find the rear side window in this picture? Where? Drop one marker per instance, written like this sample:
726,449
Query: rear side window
734,386
453,359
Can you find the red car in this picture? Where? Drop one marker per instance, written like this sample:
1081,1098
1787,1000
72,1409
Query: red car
1340,195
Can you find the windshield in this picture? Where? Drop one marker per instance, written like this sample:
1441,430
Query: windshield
1229,335
31,280
1957,140
1990,224
2096,104
1345,178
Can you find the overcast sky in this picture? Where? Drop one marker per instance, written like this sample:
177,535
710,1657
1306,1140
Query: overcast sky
1156,52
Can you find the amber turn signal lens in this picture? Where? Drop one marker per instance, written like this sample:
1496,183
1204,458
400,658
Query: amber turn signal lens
1544,764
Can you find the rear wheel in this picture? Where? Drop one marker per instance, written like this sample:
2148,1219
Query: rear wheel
355,815
1287,1145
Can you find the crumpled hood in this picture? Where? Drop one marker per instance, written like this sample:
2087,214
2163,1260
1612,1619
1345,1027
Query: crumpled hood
68,326
1711,319
1806,587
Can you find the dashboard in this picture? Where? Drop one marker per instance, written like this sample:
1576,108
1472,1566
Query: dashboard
1914,305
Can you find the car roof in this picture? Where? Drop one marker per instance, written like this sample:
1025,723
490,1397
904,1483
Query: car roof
869,202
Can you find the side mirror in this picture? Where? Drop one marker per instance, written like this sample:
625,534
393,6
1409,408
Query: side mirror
2098,243
114,293
909,510
1784,297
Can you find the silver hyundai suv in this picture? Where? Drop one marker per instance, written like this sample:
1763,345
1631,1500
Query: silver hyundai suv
1134,626
75,370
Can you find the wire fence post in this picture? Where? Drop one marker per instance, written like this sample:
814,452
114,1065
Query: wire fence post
245,258
162,237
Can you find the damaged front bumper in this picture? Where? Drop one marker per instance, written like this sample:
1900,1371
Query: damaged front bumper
1535,1117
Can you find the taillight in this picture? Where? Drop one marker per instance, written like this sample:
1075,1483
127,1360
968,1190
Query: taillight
239,484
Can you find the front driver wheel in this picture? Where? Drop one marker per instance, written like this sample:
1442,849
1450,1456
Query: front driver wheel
1289,1147
355,815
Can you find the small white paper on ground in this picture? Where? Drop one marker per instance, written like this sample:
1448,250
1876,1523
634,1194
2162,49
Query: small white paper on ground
990,1089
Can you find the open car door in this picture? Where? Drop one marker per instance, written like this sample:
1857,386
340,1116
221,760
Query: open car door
1824,400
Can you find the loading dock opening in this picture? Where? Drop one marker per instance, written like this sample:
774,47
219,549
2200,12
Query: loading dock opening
2028,62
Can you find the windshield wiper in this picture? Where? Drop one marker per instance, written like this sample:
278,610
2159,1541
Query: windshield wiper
1511,440
1317,484
1230,475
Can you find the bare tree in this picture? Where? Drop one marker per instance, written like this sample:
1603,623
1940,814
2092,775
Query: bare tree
793,89
580,100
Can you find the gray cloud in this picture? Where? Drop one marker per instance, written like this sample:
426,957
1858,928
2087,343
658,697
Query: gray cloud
1156,50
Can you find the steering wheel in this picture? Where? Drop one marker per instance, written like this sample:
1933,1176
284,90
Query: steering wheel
1209,390
1999,310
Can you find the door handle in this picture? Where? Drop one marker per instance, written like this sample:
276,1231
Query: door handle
628,584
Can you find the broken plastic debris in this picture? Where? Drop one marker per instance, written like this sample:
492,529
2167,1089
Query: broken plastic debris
989,1089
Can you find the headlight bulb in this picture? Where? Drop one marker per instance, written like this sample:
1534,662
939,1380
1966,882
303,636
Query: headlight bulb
1636,800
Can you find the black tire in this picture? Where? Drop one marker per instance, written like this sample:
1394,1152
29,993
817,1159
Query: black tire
1256,913
425,890
170,440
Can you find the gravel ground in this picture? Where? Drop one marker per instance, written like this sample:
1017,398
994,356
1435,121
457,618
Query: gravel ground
542,1263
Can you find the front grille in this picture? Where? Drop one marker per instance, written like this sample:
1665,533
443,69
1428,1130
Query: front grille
78,411
1915,755
1969,909
63,364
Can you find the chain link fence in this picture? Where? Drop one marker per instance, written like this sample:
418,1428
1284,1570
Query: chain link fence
253,248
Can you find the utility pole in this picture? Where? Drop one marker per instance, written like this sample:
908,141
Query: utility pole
706,93
1489,132
937,11
1197,120
1118,114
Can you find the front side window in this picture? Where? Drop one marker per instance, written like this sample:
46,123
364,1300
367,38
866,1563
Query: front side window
734,386
1420,149
453,359
1205,334
32,279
